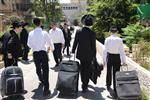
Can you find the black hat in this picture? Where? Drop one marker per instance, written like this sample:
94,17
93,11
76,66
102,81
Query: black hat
88,20
16,24
24,24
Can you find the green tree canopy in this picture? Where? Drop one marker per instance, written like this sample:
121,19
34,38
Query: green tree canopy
109,12
50,10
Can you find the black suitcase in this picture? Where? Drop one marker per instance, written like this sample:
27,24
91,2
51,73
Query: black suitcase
127,85
67,82
12,82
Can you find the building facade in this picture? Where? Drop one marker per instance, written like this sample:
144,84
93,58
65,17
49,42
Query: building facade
13,7
74,9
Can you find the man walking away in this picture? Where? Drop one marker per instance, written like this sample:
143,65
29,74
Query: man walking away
37,41
57,37
85,43
114,56
67,36
24,39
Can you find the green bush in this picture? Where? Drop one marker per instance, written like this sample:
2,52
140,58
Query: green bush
132,34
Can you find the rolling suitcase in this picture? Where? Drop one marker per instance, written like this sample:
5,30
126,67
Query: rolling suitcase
67,82
127,85
12,82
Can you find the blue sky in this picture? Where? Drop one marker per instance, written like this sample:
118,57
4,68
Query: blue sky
64,1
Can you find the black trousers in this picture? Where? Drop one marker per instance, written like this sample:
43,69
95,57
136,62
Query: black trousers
57,53
42,67
25,52
85,72
113,62
66,46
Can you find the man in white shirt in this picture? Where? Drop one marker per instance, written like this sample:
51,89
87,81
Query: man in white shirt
114,56
37,41
57,37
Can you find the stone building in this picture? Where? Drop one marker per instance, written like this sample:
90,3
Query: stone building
74,9
13,7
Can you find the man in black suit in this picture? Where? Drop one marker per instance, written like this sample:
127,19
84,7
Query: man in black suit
24,39
85,42
11,45
67,36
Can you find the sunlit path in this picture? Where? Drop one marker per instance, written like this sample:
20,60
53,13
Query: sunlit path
34,90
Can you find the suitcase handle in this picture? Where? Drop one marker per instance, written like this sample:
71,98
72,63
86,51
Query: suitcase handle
73,56
124,68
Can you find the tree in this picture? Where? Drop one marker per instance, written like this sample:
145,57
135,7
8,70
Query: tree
50,10
109,12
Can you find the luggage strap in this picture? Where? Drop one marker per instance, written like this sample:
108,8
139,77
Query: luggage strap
127,82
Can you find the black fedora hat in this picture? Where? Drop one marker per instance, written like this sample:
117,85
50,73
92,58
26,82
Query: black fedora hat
24,24
88,19
16,24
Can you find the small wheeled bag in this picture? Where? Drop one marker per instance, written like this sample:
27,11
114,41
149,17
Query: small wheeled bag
127,85
12,82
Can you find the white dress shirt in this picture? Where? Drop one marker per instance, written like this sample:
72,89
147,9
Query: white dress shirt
57,36
114,45
39,39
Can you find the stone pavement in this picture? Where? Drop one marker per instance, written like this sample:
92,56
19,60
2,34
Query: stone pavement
34,90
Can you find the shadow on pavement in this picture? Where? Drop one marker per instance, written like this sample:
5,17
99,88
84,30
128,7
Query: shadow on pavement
90,95
38,94
63,96
93,95
26,62
112,94
19,97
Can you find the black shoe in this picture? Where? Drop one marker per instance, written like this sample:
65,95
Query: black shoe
68,55
46,92
84,90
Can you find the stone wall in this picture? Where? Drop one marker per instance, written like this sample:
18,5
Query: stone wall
143,74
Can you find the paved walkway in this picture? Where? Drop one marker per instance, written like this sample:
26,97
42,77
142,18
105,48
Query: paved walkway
34,91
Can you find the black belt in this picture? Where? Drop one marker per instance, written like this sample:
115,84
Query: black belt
111,54
39,51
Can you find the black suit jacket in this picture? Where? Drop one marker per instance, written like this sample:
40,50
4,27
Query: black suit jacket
24,36
67,37
4,40
85,42
10,44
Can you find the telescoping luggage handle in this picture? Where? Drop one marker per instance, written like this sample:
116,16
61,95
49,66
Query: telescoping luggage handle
124,68
73,56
